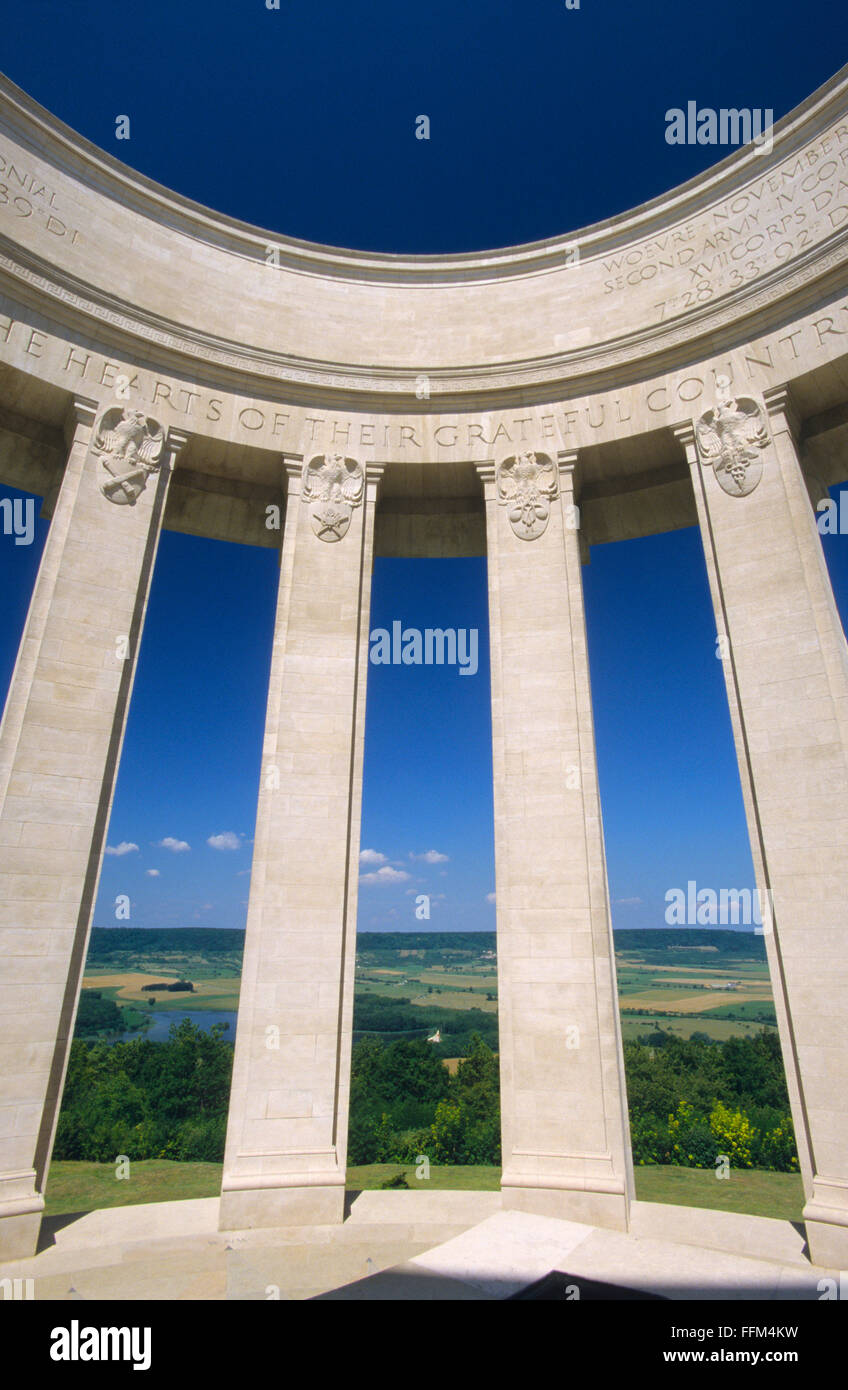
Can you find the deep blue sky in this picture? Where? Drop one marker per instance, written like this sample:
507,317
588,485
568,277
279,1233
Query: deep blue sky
670,788
302,120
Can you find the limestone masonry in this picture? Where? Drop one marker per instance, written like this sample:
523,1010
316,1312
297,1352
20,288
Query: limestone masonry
164,366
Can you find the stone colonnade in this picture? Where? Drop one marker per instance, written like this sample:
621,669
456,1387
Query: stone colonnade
565,1133
680,364
60,744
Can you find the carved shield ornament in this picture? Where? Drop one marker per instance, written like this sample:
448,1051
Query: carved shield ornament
332,486
731,438
527,484
129,445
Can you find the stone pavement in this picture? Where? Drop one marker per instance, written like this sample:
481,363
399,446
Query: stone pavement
412,1245
174,1250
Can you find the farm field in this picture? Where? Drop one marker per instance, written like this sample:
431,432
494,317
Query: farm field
702,1003
125,987
687,980
638,1026
718,993
480,981
458,1001
424,983
185,952
719,990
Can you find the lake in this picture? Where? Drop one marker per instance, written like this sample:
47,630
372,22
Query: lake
203,1018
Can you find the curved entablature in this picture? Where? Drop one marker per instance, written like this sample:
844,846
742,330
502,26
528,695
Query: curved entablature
751,244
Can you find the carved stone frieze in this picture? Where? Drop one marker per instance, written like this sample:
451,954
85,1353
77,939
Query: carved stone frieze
731,438
129,444
527,484
332,486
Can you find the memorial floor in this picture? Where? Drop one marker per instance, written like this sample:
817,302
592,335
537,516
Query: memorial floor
414,1246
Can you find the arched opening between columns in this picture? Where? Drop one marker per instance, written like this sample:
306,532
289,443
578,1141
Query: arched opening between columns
426,993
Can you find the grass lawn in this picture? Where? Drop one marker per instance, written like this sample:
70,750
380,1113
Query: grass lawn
89,1186
444,1179
750,1190
77,1187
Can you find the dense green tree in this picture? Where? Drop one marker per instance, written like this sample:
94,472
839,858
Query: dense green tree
687,1098
97,1015
147,1100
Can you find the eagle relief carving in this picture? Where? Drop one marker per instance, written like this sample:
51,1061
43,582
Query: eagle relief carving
332,485
731,437
129,445
527,484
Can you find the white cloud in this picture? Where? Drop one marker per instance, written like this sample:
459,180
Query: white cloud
371,856
431,856
385,875
491,897
125,847
152,873
175,846
226,840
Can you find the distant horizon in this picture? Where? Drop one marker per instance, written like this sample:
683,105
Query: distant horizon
429,931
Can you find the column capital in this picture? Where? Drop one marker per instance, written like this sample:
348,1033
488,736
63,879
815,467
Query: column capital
373,477
81,411
685,432
568,467
782,411
292,472
176,440
485,471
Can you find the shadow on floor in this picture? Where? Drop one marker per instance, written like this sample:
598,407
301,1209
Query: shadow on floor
51,1224
350,1197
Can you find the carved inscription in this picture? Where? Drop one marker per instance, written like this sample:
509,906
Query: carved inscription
23,195
775,218
821,336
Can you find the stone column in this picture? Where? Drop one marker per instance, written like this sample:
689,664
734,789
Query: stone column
566,1142
786,669
287,1136
78,425
59,750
